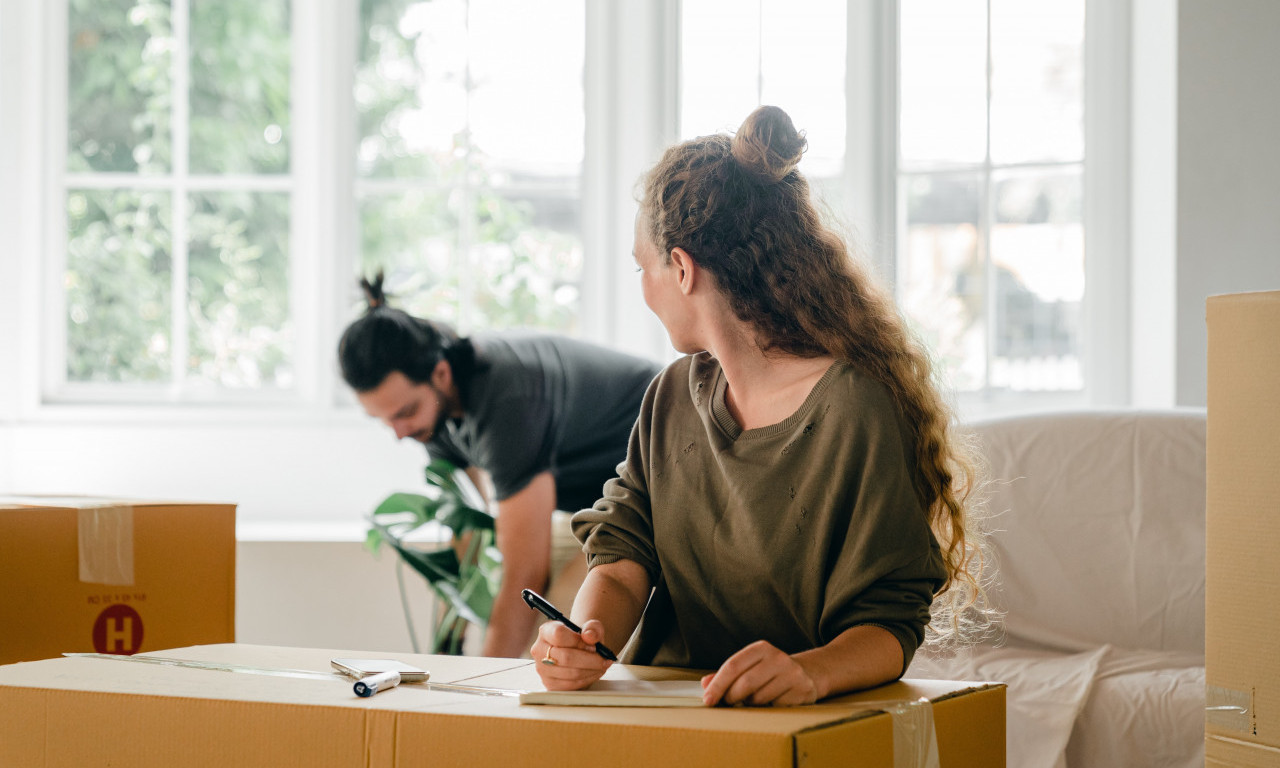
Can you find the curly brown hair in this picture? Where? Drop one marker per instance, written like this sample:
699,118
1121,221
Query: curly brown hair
742,210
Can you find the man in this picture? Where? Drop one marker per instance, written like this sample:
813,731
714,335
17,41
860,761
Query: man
544,419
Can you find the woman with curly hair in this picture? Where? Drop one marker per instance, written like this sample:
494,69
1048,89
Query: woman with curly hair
793,500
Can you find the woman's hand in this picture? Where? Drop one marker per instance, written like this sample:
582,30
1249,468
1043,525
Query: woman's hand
760,675
567,661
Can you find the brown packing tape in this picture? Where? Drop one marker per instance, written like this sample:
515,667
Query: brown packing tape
106,545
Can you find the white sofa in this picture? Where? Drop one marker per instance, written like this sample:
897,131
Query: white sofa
1098,551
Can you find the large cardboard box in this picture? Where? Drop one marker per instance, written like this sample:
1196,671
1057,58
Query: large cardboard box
1242,668
275,710
113,576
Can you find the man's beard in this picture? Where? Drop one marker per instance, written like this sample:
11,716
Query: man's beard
444,407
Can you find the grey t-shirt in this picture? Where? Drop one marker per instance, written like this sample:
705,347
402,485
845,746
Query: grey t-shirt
541,402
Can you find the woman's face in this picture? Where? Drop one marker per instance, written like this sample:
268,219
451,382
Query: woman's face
662,292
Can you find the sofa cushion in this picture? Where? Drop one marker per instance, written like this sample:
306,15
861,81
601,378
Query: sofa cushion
1098,528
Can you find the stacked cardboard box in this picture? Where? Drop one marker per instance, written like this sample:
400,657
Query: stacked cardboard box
113,576
1242,669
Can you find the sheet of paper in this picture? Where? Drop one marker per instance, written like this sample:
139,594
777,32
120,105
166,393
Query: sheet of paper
624,693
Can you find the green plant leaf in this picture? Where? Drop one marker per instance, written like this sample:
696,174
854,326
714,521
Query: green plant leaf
443,474
475,593
453,595
437,567
461,519
422,508
490,563
466,587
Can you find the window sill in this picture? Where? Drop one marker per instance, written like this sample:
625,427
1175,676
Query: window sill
320,532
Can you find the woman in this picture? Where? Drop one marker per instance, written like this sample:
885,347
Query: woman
791,494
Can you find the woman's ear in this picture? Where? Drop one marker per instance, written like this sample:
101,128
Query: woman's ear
685,270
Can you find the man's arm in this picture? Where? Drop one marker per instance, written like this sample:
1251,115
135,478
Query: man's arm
480,479
524,539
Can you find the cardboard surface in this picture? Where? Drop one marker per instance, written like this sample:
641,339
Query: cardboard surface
113,575
95,711
1221,752
1242,670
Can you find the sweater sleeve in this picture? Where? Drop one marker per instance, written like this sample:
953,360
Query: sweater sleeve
620,525
887,568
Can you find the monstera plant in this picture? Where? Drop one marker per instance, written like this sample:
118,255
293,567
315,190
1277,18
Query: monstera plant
463,574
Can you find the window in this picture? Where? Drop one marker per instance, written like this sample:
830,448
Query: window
176,189
180,270
470,154
735,56
983,206
990,184
192,185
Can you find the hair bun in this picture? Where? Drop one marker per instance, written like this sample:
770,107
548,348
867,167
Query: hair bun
373,293
768,145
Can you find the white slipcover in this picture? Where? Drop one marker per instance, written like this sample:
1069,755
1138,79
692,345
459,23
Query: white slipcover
1098,549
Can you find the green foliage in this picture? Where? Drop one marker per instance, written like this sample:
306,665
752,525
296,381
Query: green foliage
119,86
118,286
238,286
466,583
239,98
452,236
460,241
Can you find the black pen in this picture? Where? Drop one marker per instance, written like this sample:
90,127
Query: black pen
539,603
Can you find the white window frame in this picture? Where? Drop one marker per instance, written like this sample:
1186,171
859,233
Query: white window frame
869,185
1105,333
322,183
337,452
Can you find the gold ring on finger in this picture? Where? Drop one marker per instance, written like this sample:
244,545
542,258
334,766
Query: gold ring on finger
550,662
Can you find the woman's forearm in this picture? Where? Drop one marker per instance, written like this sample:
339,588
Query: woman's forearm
860,657
615,595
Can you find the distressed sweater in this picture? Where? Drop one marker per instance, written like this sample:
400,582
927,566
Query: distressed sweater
790,533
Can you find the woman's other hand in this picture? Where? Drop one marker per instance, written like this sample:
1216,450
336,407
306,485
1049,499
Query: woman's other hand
760,675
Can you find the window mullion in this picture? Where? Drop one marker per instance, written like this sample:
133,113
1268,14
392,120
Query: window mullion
54,354
986,220
469,213
321,187
181,68
871,167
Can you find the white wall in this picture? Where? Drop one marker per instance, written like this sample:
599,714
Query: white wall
1153,202
326,595
1228,166
329,470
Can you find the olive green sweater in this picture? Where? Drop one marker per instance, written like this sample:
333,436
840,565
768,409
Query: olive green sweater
790,533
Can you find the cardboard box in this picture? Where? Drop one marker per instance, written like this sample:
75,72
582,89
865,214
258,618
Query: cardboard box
1242,669
113,576
121,711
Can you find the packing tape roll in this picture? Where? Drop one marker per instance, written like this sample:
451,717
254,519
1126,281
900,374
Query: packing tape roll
106,545
1228,708
915,743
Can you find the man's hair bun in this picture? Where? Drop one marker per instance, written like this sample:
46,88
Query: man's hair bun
373,293
768,146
